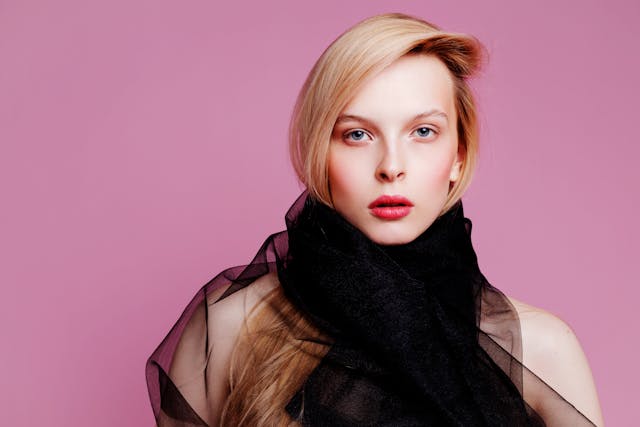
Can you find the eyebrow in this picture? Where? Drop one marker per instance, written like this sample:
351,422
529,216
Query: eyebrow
423,115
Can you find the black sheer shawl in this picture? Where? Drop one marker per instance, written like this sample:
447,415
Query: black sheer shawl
416,335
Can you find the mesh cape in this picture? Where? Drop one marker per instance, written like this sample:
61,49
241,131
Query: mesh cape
411,335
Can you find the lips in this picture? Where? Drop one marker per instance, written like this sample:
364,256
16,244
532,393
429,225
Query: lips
390,207
389,201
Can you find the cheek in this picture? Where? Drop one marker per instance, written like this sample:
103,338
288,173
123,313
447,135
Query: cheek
445,171
345,175
438,173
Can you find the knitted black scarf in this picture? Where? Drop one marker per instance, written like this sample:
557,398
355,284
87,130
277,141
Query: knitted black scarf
405,316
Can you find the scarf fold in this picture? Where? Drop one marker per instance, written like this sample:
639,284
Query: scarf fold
419,337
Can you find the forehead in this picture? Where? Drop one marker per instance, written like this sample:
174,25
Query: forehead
410,85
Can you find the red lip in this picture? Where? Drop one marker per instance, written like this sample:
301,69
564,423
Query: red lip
390,207
386,200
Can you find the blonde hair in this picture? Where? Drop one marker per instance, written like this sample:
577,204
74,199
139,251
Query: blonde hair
358,55
279,347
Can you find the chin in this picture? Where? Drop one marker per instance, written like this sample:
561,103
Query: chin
391,237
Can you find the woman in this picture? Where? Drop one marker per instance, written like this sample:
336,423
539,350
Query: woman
370,309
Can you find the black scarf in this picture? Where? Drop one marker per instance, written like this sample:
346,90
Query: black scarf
405,316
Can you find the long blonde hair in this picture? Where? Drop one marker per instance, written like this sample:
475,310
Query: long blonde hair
278,346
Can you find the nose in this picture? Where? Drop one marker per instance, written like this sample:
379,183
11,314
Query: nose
391,166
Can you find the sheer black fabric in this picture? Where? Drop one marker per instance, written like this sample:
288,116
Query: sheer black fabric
417,336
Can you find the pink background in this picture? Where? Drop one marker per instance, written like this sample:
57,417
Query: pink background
143,150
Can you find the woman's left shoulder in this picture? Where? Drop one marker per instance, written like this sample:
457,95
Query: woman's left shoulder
552,351
543,330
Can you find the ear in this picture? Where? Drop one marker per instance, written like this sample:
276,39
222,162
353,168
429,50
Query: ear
456,168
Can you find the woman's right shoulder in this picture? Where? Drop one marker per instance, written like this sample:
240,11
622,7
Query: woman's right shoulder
226,317
224,322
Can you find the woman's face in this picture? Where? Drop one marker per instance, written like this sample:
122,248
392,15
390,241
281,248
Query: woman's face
396,137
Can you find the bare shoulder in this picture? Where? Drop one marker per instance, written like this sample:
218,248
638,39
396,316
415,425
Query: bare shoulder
201,361
542,328
224,324
227,316
552,351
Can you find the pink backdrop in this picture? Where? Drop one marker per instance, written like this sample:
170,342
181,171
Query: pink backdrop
143,150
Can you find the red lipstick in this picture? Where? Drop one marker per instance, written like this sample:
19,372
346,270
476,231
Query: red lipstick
390,207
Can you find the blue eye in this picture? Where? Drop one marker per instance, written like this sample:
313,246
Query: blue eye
356,135
424,131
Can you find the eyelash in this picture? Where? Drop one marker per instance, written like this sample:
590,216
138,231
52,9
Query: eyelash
346,135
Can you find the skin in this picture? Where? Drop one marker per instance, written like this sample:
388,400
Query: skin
553,352
388,151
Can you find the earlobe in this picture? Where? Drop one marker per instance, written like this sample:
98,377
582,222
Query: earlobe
455,171
456,168
453,176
